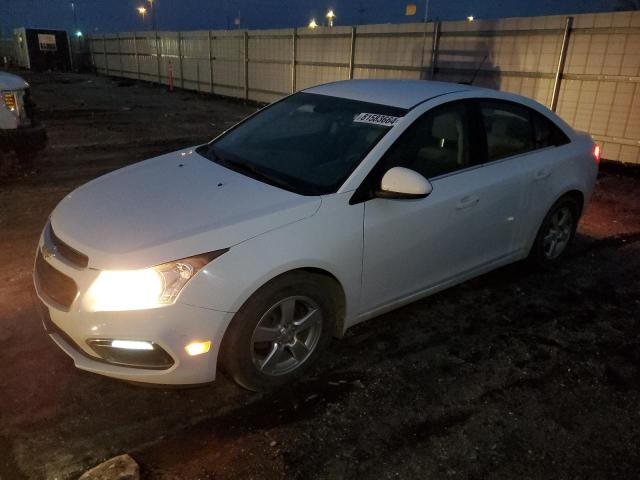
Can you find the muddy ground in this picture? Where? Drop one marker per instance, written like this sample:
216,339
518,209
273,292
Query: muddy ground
516,374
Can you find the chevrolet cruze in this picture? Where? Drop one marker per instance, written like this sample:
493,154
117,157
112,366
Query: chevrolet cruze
327,208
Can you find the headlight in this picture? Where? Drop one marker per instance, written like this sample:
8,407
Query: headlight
147,288
10,100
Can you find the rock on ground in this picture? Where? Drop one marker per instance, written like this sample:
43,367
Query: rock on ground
122,467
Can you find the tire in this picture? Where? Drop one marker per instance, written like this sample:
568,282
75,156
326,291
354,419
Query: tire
556,233
280,331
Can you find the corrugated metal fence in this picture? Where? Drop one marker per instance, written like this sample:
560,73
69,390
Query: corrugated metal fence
589,65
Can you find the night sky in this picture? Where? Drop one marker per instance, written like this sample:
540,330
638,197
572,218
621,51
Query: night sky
120,15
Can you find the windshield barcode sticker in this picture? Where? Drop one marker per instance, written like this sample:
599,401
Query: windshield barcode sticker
376,119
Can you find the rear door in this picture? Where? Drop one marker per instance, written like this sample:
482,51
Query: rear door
517,134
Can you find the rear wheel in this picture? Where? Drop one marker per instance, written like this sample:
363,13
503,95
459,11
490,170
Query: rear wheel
556,232
280,331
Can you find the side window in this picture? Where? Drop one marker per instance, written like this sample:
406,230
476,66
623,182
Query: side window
436,143
508,127
546,133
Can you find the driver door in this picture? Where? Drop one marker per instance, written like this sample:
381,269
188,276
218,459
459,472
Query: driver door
467,221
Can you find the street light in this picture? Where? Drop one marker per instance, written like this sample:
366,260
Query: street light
143,12
313,24
330,17
470,18
154,17
75,15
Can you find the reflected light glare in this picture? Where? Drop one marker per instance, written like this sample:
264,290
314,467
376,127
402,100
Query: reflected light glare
125,290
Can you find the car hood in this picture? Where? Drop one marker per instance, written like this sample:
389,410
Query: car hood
171,207
9,81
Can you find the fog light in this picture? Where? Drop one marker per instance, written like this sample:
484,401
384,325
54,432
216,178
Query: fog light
198,348
131,353
131,345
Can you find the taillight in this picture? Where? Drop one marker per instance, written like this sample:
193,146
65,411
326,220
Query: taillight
596,152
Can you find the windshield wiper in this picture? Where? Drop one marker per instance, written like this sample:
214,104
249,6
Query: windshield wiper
248,169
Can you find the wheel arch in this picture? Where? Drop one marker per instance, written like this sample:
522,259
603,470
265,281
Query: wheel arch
336,286
576,195
338,294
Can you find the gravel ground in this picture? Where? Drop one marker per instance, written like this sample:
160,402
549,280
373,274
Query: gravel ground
516,374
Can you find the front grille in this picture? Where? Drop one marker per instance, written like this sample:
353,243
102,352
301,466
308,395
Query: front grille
54,284
69,253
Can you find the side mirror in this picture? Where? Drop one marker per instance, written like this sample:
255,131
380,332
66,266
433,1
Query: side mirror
402,183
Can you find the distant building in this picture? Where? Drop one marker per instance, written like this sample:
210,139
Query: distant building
41,49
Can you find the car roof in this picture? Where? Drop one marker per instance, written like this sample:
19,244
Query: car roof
394,93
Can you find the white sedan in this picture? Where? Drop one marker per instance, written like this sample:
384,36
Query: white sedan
327,208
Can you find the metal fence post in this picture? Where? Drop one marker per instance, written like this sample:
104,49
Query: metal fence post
210,37
561,61
294,48
352,52
246,65
435,43
104,52
135,51
91,55
180,60
120,55
70,48
158,57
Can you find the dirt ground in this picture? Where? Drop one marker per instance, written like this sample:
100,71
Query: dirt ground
516,374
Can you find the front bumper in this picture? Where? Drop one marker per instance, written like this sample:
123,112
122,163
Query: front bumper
170,327
32,138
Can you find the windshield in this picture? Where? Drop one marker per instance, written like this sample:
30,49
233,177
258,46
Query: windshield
307,143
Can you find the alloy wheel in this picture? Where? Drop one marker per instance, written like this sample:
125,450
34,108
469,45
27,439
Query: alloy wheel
286,335
558,234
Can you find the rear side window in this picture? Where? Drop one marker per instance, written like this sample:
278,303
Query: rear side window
508,127
546,133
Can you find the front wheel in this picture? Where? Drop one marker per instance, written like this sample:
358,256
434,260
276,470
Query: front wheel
556,232
280,331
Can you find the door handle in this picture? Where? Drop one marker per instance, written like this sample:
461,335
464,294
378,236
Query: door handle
467,202
542,174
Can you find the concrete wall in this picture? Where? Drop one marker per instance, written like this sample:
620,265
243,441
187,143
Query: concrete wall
598,89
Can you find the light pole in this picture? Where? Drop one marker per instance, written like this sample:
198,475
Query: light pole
330,17
143,12
154,21
75,16
313,24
